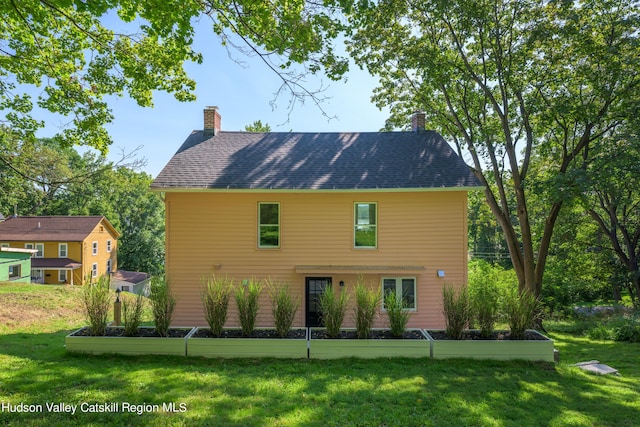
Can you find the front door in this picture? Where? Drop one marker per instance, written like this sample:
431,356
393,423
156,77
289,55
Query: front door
314,287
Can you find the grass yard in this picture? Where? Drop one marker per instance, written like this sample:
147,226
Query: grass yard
35,370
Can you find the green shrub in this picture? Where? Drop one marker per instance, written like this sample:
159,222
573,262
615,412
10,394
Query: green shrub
456,311
629,330
367,304
522,309
96,302
215,299
162,304
132,306
247,301
284,307
600,332
333,310
397,313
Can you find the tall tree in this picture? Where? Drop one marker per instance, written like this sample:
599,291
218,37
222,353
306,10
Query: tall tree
257,126
612,198
505,80
66,50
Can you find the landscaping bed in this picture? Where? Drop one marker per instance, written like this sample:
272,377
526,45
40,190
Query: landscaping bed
380,344
535,346
146,342
261,343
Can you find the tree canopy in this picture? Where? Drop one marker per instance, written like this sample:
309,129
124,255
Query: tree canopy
506,81
69,56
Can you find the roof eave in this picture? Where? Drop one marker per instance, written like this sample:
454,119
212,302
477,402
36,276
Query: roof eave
311,190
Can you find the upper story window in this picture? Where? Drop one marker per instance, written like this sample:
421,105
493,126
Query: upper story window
63,250
108,245
268,225
403,287
40,249
94,248
94,270
366,225
28,245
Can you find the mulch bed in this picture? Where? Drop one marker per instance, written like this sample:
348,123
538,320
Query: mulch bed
375,335
496,336
258,333
142,332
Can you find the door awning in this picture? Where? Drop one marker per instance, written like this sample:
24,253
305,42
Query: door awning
347,268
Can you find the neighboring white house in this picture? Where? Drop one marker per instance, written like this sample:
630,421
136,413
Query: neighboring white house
131,281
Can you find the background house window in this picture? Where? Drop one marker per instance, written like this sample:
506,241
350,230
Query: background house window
94,270
403,287
108,266
15,271
62,276
4,245
366,235
268,225
28,245
62,250
40,248
108,245
94,248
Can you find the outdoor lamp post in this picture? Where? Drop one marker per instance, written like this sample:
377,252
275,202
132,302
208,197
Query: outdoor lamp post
117,311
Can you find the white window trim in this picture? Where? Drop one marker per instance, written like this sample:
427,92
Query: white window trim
94,248
4,245
108,246
260,246
66,250
398,280
94,269
28,246
355,224
60,278
108,266
36,254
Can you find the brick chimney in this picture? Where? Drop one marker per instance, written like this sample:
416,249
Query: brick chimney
418,122
212,121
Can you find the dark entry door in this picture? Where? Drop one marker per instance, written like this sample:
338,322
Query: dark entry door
314,287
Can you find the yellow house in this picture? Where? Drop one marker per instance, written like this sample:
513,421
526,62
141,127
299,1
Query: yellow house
68,248
316,210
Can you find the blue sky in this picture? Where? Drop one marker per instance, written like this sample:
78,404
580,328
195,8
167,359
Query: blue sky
243,95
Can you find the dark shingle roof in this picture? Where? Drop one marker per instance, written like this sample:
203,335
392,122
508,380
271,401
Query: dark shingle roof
50,228
315,161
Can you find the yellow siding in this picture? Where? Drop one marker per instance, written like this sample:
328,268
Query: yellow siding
100,234
216,233
81,252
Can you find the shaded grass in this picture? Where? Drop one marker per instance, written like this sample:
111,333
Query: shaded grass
34,368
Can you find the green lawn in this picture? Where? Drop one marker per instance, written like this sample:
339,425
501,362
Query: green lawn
35,370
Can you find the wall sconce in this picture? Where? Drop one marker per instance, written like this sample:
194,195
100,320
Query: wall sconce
441,273
341,283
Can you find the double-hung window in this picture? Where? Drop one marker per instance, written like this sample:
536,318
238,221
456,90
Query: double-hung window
403,287
94,269
94,248
366,225
40,248
62,250
268,225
